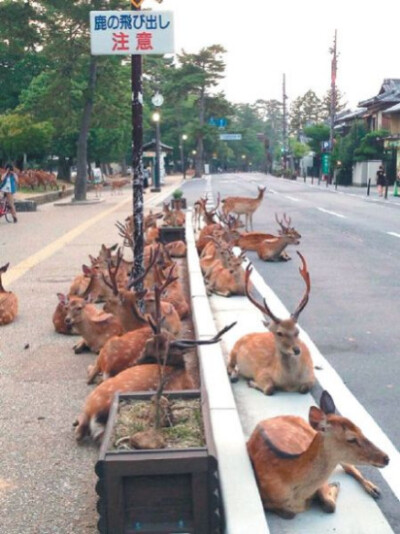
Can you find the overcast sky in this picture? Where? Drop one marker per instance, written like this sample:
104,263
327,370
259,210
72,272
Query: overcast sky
266,38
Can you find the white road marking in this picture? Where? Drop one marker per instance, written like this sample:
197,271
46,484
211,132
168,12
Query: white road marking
394,234
292,198
332,213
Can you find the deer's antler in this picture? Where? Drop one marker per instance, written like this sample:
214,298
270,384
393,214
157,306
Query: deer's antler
306,277
264,309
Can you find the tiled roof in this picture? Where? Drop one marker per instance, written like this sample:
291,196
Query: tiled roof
389,92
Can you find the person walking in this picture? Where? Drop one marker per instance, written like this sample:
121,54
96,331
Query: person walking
380,180
8,186
98,181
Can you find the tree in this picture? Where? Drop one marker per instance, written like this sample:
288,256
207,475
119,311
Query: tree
344,152
304,111
201,72
326,103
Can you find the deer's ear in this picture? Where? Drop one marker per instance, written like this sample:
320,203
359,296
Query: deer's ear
62,298
317,419
326,403
86,270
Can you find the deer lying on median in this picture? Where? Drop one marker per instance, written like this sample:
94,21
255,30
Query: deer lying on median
175,217
243,206
143,377
8,301
275,359
293,459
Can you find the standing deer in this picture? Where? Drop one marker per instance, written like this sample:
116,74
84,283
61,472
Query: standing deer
243,206
8,301
293,459
276,359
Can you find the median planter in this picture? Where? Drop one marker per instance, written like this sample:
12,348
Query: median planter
172,233
159,490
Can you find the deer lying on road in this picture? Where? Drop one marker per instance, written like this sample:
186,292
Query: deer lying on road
8,301
143,377
273,249
275,359
293,459
251,240
59,316
243,206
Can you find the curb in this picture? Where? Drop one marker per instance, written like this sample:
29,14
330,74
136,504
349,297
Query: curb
242,504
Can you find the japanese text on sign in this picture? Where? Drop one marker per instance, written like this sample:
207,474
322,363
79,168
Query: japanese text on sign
127,32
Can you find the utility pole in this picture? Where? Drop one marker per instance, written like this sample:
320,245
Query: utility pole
333,51
284,124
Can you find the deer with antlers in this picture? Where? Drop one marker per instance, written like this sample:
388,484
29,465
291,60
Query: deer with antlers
277,359
175,217
293,459
243,206
8,301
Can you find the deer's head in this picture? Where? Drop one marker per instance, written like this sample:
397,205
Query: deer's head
285,331
343,436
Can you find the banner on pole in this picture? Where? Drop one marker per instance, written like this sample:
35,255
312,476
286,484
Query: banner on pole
131,32
230,137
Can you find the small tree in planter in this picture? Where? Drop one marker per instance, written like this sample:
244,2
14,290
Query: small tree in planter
178,201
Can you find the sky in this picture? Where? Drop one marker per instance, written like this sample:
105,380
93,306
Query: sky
266,38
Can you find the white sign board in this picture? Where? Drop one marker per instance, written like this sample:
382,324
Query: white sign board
131,32
230,137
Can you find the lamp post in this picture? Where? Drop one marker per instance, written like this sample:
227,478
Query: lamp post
156,119
183,139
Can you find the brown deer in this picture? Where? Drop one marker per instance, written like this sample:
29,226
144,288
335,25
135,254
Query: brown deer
176,249
174,217
243,206
198,212
251,240
293,459
8,301
273,249
59,316
118,183
227,280
143,377
95,326
277,359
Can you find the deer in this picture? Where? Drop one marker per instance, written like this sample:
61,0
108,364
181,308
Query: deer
227,280
141,377
251,240
95,326
273,249
277,359
174,217
293,459
118,183
120,352
176,249
243,206
8,301
198,212
59,316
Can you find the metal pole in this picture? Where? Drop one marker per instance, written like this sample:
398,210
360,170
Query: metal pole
333,101
183,160
284,125
368,186
137,167
386,190
157,169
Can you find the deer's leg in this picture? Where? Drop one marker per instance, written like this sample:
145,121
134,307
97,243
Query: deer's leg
284,514
93,371
81,425
305,388
327,495
285,256
263,382
81,346
232,367
369,487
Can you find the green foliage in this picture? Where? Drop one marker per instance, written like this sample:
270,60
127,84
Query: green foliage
19,134
316,134
344,152
371,146
177,194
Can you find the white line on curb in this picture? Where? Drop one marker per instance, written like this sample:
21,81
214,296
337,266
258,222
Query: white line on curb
393,233
332,213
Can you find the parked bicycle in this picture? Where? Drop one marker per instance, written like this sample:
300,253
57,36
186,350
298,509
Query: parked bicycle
5,209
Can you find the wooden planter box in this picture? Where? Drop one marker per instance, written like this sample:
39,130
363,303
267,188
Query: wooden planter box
172,233
179,203
158,491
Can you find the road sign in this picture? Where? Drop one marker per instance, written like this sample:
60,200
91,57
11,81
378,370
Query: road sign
137,3
230,137
131,32
220,123
157,100
326,162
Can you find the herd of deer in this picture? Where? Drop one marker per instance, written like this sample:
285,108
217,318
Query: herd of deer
35,178
292,458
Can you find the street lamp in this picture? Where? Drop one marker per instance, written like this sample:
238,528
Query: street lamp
184,138
156,119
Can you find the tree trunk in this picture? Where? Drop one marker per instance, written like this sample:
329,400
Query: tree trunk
80,183
64,169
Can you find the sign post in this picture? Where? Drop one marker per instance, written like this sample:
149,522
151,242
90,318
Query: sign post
134,33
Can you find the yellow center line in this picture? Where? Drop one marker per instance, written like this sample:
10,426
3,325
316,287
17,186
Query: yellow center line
22,267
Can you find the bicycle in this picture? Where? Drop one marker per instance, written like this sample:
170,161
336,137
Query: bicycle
5,209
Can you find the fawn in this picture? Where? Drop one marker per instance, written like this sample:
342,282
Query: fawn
276,359
293,459
8,301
